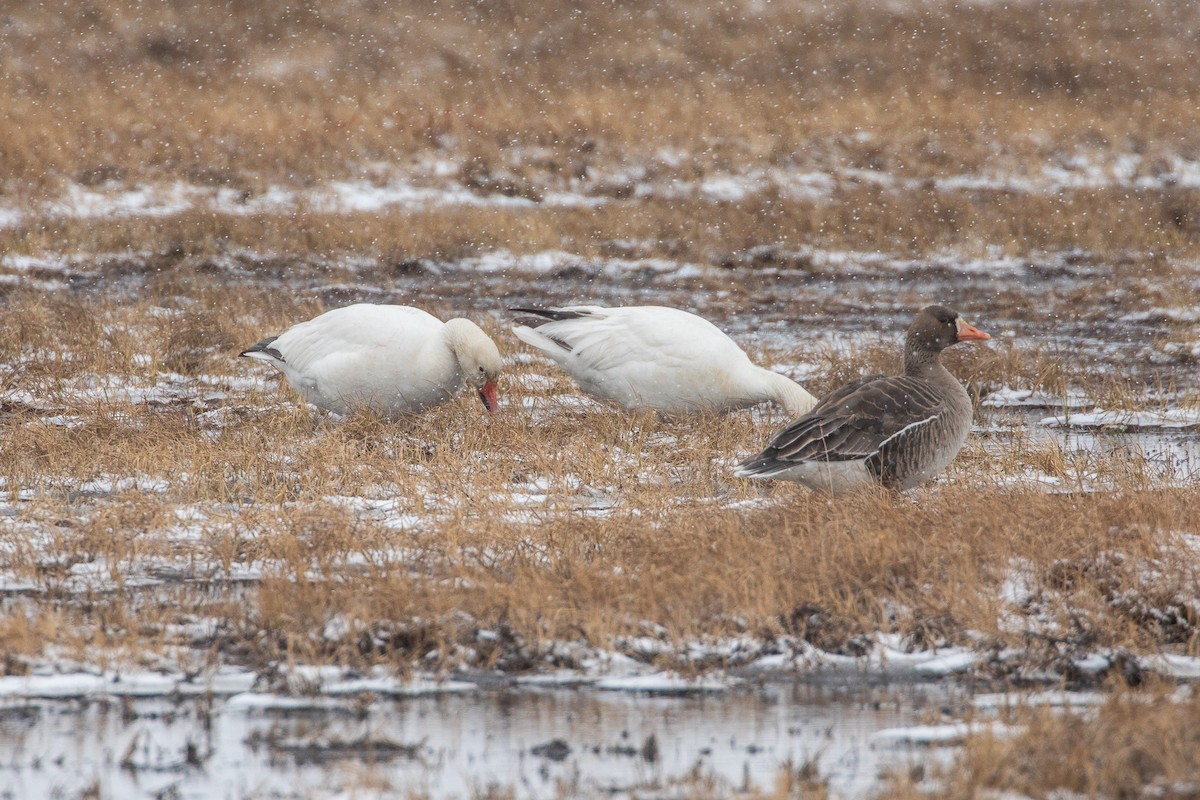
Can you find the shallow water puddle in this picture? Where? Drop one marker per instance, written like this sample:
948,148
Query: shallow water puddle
1160,448
537,742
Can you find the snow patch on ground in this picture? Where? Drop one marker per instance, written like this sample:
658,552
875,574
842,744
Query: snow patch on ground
1175,666
940,735
1007,397
108,683
1003,701
667,683
440,182
1127,420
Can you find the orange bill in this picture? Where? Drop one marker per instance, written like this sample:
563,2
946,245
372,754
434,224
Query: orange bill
969,333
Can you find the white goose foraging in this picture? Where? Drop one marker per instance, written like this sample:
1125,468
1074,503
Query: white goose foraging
393,360
652,357
897,431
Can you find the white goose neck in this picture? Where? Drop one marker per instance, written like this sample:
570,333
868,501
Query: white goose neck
460,333
785,391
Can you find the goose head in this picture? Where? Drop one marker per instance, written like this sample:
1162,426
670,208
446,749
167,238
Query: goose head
478,358
938,327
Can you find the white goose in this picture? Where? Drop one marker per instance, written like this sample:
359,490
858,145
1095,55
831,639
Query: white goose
651,357
393,360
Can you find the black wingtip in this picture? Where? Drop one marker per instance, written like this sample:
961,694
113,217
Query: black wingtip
534,317
264,347
757,466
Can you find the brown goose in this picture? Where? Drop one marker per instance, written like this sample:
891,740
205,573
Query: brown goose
898,431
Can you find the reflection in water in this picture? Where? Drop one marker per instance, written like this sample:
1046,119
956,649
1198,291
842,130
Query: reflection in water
540,742
1096,458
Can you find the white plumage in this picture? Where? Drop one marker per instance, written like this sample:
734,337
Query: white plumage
653,357
393,360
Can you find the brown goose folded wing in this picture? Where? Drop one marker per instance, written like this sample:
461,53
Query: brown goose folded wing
898,432
870,419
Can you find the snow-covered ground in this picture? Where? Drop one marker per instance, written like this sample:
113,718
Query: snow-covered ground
617,721
219,729
437,183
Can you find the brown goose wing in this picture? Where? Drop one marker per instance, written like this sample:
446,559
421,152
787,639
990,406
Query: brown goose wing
865,419
837,396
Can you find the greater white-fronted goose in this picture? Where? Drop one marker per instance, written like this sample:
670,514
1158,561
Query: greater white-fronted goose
393,360
652,357
898,431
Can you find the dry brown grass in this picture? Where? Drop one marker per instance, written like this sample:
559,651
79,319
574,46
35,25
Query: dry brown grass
163,506
634,521
1136,744
530,98
257,92
1101,220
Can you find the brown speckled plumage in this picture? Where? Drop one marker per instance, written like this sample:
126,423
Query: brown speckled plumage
898,431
